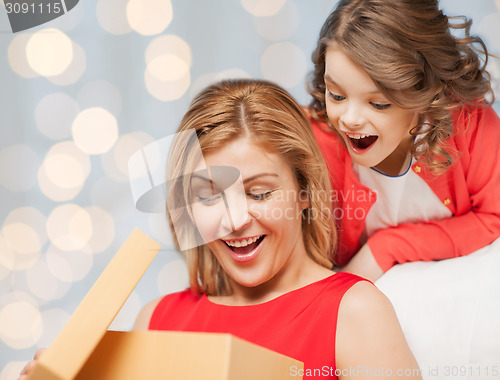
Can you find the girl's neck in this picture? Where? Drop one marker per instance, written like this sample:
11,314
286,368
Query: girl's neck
396,163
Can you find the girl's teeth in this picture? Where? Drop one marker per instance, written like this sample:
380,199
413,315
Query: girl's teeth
242,243
357,137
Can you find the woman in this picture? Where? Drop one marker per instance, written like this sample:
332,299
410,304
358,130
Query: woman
249,204
255,209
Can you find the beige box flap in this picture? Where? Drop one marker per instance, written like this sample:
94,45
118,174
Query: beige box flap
90,321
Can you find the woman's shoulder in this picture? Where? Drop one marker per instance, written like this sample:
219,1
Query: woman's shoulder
172,300
364,300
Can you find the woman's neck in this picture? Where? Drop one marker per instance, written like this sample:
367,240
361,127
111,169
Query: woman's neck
285,281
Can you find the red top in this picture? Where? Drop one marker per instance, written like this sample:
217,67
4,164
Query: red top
470,189
300,324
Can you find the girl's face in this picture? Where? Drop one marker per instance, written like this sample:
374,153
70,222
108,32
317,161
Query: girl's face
259,223
375,131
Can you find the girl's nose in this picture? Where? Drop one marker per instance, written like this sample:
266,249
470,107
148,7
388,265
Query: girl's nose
352,117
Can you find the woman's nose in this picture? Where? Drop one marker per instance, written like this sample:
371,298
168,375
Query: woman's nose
237,215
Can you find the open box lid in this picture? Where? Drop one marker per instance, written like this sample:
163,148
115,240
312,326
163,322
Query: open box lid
90,321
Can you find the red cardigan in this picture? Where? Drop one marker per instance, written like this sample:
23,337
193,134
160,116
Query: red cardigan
470,189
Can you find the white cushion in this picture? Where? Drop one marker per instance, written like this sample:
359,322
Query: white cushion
450,313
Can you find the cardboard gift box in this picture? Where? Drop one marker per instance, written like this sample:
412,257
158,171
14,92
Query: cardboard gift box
84,349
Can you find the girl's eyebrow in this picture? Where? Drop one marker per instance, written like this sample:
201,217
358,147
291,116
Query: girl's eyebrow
328,79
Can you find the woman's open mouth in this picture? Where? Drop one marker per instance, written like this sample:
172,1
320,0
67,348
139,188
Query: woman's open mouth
359,142
246,249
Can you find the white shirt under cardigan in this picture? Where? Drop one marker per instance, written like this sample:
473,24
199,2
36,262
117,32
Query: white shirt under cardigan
405,198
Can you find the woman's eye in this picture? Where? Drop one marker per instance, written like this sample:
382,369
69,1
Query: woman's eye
380,106
208,201
259,196
336,97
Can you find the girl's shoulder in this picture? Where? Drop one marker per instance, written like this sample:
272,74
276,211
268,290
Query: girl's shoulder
467,120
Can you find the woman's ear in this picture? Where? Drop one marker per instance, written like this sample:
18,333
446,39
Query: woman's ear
304,201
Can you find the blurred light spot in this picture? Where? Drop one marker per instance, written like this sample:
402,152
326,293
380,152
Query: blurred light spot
74,71
53,322
64,166
149,17
166,90
207,79
20,325
173,277
17,56
49,52
114,197
100,93
168,60
43,284
115,162
23,235
169,45
69,227
489,30
262,8
103,229
53,191
12,370
7,259
95,130
497,3
168,68
58,164
22,238
18,167
31,217
284,63
288,20
54,115
112,16
127,314
69,266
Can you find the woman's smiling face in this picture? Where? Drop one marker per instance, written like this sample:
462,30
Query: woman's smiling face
254,228
375,131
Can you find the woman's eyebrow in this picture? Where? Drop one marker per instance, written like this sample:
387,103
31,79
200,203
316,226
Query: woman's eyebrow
254,177
245,181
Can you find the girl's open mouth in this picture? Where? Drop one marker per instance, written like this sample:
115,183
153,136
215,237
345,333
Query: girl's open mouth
360,142
244,249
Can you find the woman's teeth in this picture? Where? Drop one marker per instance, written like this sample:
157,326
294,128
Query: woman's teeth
242,243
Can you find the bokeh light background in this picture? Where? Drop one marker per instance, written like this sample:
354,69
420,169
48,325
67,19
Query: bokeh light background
80,94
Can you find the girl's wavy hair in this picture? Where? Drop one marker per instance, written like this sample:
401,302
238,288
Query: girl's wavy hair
408,50
273,120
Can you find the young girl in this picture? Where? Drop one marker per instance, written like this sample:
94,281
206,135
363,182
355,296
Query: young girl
401,111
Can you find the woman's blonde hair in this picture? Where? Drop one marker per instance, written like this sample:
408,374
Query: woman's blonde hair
273,120
408,50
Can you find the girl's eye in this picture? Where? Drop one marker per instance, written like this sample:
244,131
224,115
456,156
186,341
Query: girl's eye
380,106
336,97
209,200
260,197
